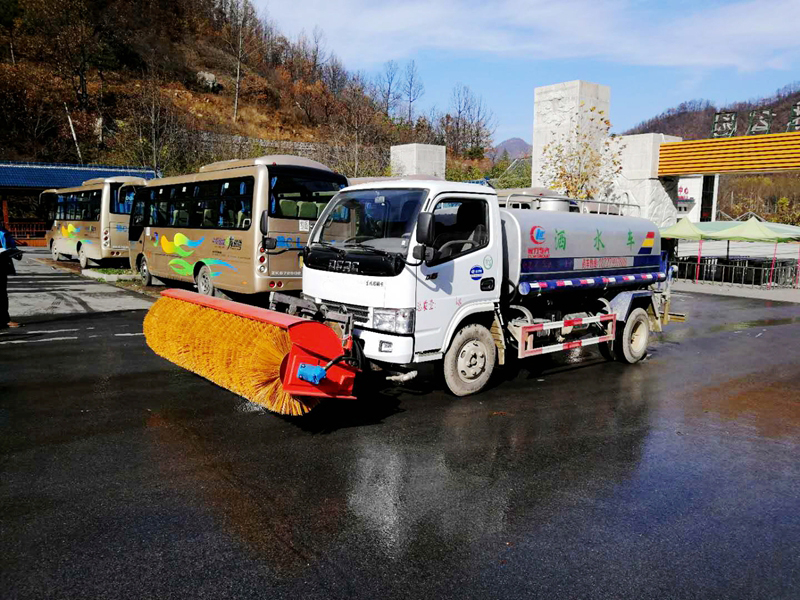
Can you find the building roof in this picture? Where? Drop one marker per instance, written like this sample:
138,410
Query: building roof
40,176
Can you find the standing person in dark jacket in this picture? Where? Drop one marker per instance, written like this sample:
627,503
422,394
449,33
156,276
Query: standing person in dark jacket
7,252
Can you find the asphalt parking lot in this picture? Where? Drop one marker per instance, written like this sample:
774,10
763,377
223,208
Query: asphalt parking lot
124,476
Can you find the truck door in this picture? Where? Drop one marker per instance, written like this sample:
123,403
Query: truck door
465,270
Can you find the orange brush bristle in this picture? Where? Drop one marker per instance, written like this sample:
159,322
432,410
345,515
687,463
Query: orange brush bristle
239,354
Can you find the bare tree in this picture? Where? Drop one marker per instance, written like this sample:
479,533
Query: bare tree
388,88
468,126
413,89
241,39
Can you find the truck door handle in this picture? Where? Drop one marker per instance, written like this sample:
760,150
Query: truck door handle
487,284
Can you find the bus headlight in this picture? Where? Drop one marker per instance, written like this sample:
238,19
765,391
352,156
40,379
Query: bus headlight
396,320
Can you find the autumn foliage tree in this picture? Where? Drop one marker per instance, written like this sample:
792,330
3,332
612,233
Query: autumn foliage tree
583,162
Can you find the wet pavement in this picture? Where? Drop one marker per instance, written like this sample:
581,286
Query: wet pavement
122,475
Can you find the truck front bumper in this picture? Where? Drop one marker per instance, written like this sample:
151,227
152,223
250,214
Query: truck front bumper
386,347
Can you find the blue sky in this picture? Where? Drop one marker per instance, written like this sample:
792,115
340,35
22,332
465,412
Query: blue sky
653,54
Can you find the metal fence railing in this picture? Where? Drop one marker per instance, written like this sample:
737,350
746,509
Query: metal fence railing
27,230
740,272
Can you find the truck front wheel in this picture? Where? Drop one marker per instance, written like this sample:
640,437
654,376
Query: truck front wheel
632,339
470,360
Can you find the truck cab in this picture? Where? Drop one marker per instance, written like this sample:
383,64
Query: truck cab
405,310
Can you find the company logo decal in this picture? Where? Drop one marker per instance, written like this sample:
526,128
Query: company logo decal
476,272
184,267
343,266
70,231
537,234
488,261
233,243
538,252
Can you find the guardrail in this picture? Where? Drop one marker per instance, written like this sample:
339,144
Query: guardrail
740,272
607,207
28,230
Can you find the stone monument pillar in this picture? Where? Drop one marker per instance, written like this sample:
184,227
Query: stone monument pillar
554,110
418,159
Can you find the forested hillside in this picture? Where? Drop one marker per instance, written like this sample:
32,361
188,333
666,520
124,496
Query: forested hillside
143,82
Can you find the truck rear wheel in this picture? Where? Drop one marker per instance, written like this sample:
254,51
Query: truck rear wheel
470,360
632,339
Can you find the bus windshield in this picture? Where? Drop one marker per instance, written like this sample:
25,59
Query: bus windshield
381,219
299,193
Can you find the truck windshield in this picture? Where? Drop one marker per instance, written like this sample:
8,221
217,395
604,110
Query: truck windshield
380,219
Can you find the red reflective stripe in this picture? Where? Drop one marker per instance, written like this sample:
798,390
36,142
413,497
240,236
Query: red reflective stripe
606,338
651,234
561,283
571,322
576,344
536,327
610,317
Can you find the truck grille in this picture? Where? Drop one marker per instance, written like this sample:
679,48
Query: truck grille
360,313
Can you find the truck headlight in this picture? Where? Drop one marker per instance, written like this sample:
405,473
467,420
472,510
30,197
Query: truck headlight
396,320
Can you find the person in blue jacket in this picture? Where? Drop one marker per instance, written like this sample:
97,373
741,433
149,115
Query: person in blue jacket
7,252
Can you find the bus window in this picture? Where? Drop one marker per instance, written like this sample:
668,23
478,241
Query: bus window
158,207
294,194
94,203
121,203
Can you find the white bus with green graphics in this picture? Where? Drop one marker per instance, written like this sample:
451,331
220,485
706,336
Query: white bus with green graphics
237,225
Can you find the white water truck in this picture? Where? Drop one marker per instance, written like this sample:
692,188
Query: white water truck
415,271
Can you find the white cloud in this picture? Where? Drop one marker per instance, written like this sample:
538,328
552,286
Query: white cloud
748,35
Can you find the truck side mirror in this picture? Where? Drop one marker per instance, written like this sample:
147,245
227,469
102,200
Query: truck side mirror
424,253
264,223
425,228
269,243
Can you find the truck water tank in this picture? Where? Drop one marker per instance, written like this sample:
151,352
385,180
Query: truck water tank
542,246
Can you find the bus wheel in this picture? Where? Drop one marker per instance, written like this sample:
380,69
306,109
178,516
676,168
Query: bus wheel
82,258
632,340
470,360
144,273
55,253
203,281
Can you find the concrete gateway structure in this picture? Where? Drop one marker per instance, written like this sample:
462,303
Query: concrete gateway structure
661,197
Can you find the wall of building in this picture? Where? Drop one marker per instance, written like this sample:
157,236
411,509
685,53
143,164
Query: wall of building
418,159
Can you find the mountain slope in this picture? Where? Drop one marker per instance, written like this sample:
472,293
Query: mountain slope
692,120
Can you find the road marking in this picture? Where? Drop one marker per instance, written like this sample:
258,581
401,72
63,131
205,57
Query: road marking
126,334
40,331
55,339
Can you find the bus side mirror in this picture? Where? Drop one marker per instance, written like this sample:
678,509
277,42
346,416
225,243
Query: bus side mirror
264,223
425,228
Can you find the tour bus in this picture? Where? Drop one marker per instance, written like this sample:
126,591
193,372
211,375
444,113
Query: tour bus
236,225
91,221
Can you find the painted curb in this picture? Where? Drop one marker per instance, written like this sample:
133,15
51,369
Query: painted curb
107,277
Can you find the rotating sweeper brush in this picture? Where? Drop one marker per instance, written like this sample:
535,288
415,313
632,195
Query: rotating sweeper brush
282,362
